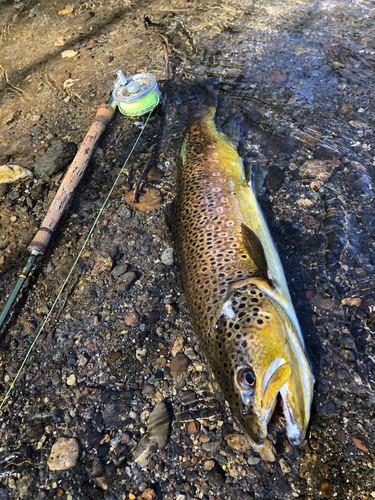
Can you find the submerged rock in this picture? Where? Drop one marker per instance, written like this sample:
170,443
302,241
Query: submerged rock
64,454
55,159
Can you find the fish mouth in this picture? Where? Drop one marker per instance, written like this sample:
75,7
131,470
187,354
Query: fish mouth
257,420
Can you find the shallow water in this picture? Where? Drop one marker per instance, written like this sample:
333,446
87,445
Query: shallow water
301,76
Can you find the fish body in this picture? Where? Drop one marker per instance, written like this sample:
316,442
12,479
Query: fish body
236,289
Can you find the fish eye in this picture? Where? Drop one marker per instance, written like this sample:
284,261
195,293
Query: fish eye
247,379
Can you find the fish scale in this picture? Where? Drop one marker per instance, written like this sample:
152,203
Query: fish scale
208,236
236,289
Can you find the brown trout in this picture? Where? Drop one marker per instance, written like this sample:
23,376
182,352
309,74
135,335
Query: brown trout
236,289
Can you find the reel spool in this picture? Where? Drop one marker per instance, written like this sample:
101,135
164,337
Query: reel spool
137,95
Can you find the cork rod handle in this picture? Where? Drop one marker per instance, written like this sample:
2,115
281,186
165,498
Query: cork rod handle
71,180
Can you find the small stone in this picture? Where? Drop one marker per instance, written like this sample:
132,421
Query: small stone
326,488
113,356
82,360
178,345
158,425
238,442
14,195
360,442
167,257
120,270
209,465
352,301
131,496
36,118
128,279
140,354
253,461
193,427
233,473
204,438
148,494
143,451
34,432
71,380
69,53
101,482
103,264
66,10
132,319
29,327
178,364
284,466
64,454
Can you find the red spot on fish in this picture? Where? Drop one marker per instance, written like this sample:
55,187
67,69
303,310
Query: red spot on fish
216,190
230,223
211,146
199,168
214,252
196,132
224,200
216,174
210,227
204,202
220,210
203,182
200,154
216,161
223,235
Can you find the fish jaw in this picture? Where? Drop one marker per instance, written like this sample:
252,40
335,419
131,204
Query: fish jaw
256,338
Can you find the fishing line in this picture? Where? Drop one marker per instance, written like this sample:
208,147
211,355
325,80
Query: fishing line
74,264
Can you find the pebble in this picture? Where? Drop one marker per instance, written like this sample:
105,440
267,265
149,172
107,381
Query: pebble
238,442
132,319
158,425
209,465
149,200
253,460
120,270
193,427
284,466
148,494
325,488
64,454
352,301
167,257
103,264
71,380
360,442
14,195
204,438
179,364
140,354
128,279
69,53
178,345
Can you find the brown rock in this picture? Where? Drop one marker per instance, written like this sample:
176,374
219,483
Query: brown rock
321,300
148,494
113,356
193,427
103,264
274,178
34,432
238,442
325,488
351,301
179,364
150,200
64,454
318,170
132,319
209,465
204,438
29,327
360,442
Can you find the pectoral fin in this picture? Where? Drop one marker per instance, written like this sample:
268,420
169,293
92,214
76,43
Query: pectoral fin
255,250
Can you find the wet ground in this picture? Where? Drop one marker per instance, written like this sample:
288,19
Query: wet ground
302,77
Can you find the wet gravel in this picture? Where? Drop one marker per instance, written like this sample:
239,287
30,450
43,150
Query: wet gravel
119,341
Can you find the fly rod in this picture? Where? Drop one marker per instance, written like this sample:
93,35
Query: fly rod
134,97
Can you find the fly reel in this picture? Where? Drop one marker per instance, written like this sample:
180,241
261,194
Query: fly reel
136,95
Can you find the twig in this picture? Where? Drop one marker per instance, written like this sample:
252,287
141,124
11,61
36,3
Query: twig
8,82
146,168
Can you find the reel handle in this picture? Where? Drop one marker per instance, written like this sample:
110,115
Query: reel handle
71,180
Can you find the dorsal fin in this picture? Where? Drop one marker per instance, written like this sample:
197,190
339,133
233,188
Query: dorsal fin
255,250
